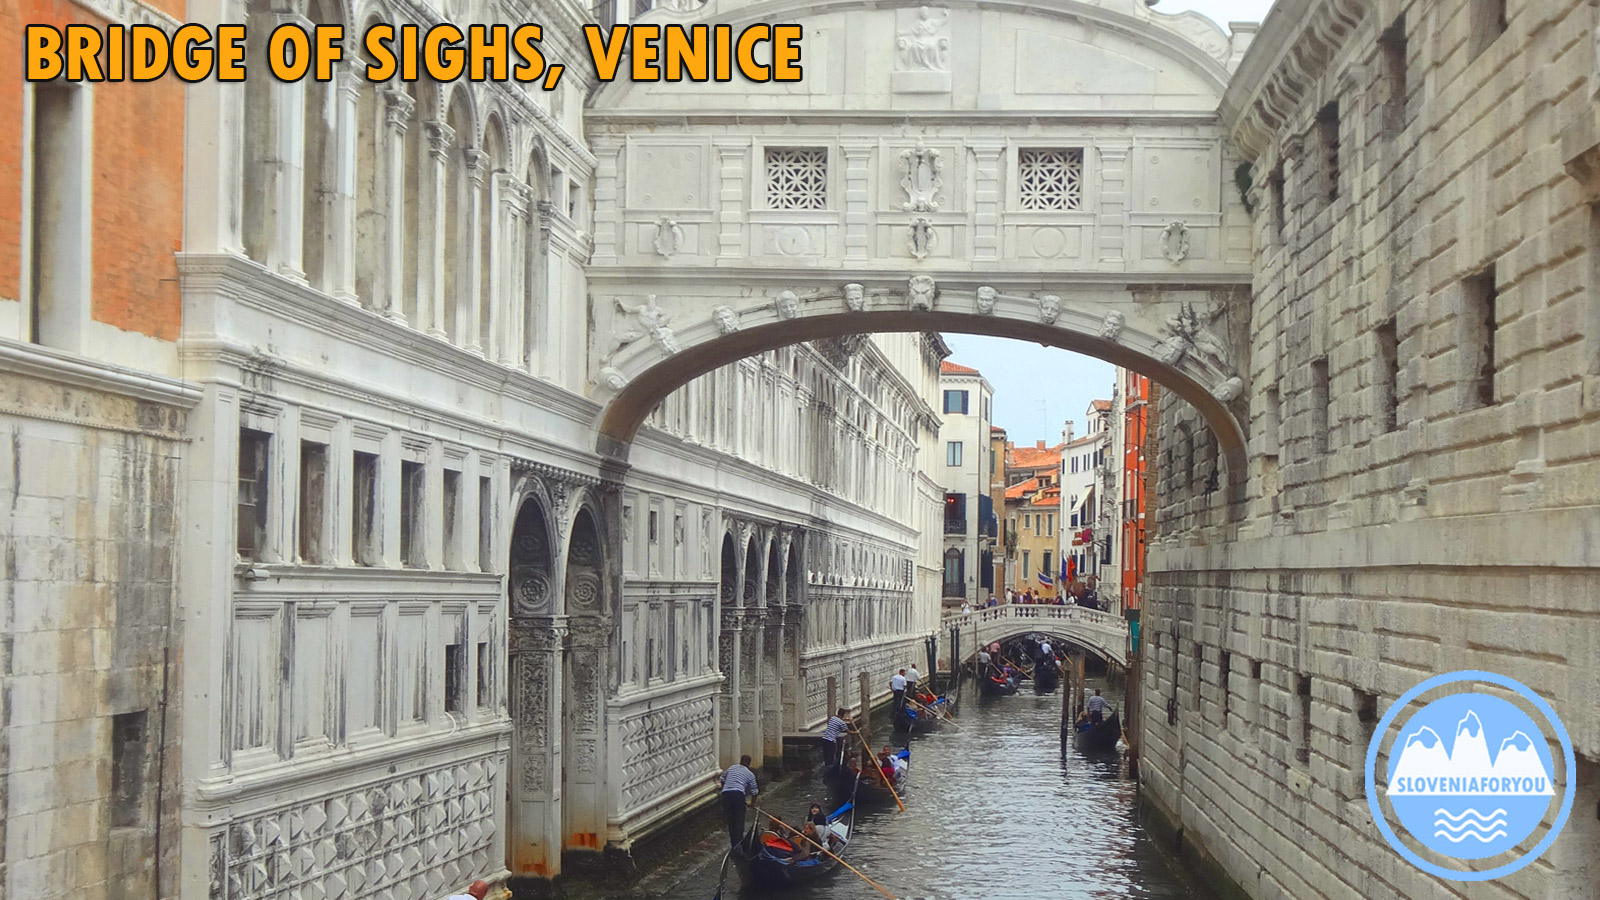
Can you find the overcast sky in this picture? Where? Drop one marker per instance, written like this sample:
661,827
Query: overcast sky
1037,388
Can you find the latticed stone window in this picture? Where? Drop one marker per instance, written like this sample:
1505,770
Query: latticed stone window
797,178
1051,178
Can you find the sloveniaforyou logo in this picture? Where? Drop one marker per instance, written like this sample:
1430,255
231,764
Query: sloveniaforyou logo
1471,776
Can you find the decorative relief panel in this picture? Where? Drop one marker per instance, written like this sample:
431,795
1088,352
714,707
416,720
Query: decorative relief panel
922,51
409,838
1177,180
667,176
793,240
1050,179
665,749
797,177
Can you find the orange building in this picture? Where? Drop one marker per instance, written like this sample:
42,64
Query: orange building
1135,389
1033,515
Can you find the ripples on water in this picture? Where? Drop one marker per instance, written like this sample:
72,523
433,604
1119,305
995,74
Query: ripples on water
993,812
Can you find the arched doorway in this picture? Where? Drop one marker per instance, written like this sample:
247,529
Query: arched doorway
583,783
533,805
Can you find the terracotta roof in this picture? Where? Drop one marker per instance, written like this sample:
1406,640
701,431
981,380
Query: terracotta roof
1020,489
946,367
1101,405
996,429
1034,457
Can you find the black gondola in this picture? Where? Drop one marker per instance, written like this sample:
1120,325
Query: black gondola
868,788
767,859
1045,678
997,685
1102,735
915,720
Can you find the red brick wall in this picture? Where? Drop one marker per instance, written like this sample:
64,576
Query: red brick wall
138,180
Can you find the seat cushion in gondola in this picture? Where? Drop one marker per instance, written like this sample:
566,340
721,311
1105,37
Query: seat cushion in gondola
773,842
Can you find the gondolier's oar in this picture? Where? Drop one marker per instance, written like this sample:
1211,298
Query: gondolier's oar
1015,666
722,875
836,859
945,719
886,781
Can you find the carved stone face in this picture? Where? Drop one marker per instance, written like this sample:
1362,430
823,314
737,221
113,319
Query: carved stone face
726,319
788,305
1111,327
986,299
920,289
1049,308
855,297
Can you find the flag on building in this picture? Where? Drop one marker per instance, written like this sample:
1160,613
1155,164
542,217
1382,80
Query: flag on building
1044,578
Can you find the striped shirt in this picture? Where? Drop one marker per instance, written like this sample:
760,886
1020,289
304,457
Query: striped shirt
739,779
1097,703
836,726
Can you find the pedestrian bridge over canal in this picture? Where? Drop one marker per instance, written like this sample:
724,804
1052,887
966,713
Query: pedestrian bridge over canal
1101,633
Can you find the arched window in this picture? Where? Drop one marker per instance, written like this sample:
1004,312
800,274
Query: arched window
372,212
490,281
457,228
319,173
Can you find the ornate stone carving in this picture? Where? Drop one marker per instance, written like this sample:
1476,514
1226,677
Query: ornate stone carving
361,843
921,177
665,749
652,323
855,297
726,320
398,107
669,237
788,305
920,291
1049,308
1228,390
986,298
923,45
1111,326
1188,334
922,238
1175,242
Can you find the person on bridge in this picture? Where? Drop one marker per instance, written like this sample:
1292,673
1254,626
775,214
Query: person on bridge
838,725
897,686
738,790
1097,707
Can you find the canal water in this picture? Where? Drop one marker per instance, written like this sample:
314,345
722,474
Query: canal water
994,811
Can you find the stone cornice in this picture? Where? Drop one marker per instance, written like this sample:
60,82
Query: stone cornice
1295,45
47,364
984,117
628,278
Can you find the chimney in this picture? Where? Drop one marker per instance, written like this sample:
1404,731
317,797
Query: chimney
1038,445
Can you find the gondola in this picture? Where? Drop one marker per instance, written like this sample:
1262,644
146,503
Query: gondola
913,720
766,859
867,788
1102,735
1045,678
997,685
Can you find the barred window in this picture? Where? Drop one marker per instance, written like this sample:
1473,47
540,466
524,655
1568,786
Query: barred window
797,178
1051,179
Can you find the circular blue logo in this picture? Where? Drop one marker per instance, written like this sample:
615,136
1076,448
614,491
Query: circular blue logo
1470,776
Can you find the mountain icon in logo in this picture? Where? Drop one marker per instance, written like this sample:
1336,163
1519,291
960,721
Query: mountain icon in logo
1426,768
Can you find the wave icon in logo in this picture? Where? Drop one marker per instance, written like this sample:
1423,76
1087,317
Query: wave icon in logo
1470,776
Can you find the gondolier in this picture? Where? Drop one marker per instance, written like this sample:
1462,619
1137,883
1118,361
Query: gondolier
832,746
738,787
913,679
1097,707
897,686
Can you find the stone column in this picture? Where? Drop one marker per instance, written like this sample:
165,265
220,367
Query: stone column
1111,220
534,818
857,197
730,199
772,674
583,787
467,331
751,647
388,501
987,156
339,253
434,231
608,201
288,168
497,230
398,107
728,658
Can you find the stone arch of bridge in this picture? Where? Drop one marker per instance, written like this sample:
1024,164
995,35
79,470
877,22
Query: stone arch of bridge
1177,335
1058,636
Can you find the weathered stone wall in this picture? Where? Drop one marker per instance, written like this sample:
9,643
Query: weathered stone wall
1407,511
89,486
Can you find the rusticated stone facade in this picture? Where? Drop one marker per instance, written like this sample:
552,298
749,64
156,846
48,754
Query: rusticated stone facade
1424,437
